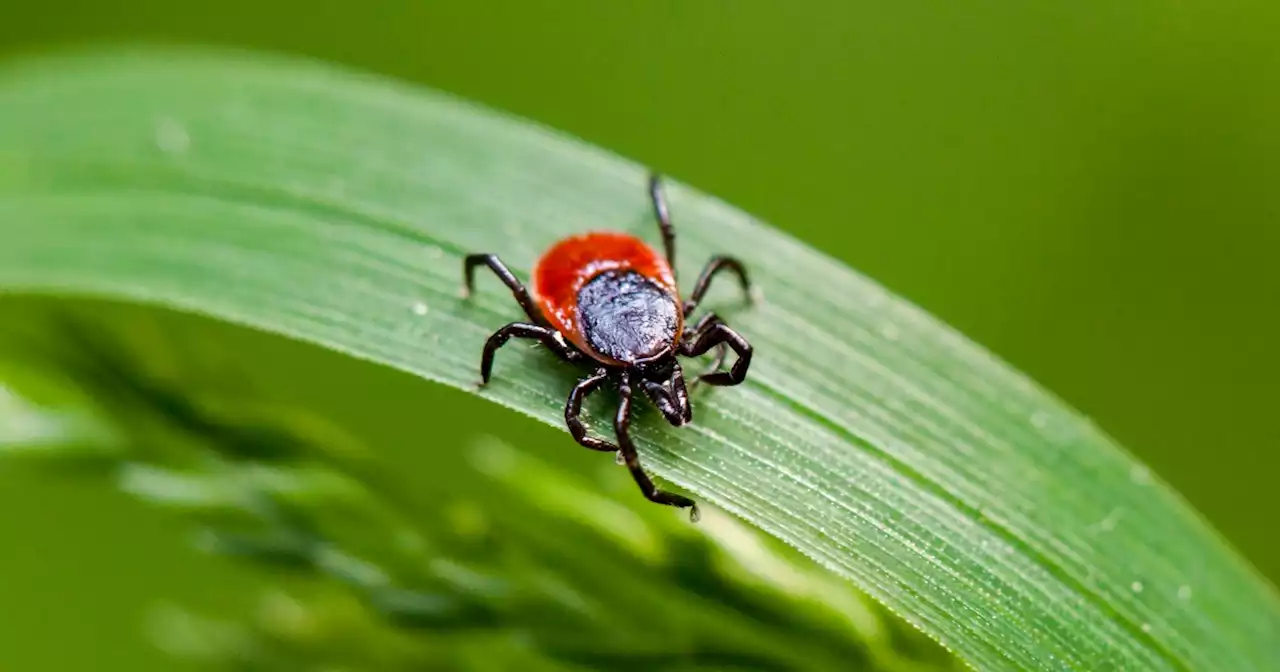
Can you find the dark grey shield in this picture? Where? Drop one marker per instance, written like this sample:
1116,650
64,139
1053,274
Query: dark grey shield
627,316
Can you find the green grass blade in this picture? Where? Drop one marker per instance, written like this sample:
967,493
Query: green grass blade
334,208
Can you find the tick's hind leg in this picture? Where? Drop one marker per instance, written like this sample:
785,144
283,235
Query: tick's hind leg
622,426
548,337
508,278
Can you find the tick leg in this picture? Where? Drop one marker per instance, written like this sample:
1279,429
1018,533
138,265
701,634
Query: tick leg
671,399
722,353
717,334
573,412
701,325
508,278
714,266
722,350
663,215
548,337
622,425
681,393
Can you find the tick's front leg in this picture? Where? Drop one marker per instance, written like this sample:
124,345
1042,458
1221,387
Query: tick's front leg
547,337
663,214
720,333
622,425
573,412
506,276
722,350
709,272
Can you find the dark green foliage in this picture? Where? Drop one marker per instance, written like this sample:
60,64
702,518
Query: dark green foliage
370,578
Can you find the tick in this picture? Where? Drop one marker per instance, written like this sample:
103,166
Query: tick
609,299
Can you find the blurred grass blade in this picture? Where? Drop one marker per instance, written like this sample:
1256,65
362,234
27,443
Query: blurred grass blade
333,208
27,430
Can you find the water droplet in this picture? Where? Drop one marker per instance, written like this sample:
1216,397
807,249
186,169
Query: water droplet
172,137
419,308
1139,474
1184,593
1136,586
1146,627
619,459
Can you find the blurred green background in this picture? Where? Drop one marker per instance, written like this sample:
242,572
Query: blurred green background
1089,190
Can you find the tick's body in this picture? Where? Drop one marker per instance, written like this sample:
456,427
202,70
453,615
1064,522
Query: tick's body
611,298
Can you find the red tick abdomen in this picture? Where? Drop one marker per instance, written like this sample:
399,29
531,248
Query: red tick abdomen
563,269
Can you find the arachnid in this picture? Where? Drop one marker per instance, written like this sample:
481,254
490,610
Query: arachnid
610,299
